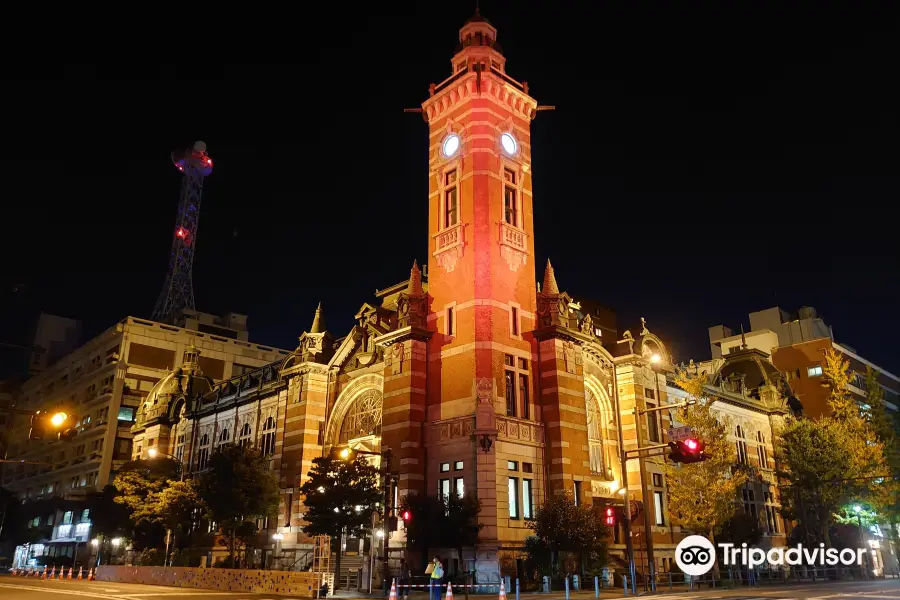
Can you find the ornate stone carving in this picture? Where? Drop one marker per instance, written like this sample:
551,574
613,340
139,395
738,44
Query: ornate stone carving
513,246
449,245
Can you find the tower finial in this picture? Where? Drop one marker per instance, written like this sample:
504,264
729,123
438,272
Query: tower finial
415,281
549,286
743,338
318,324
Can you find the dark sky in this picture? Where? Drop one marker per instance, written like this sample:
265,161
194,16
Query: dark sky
701,164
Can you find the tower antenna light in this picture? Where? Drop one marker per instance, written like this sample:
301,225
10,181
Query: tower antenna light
178,290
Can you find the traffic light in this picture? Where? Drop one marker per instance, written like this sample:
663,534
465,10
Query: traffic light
407,516
687,451
60,425
610,516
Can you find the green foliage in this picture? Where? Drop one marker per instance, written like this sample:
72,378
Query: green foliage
435,524
423,531
340,496
154,497
562,526
237,486
108,517
832,461
702,495
741,528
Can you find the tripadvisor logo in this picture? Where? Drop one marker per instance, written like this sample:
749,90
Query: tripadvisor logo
695,555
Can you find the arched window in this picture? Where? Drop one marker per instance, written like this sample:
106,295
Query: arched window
595,433
245,438
203,452
267,440
741,445
224,436
363,418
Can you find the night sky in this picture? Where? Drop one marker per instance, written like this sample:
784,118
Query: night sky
699,165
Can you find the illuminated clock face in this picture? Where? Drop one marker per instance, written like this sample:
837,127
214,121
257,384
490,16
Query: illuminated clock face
451,145
509,143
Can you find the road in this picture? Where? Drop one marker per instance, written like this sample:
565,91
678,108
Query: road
22,588
17,588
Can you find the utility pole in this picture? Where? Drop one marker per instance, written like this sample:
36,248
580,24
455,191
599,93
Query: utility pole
623,460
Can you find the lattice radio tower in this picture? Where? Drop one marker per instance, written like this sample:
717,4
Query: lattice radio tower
178,290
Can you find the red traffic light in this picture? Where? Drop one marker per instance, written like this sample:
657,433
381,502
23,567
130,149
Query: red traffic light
407,516
691,445
687,451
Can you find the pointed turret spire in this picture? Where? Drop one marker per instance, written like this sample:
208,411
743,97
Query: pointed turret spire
318,324
549,286
415,281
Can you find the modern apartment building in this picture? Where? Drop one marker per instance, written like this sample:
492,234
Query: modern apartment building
797,343
102,384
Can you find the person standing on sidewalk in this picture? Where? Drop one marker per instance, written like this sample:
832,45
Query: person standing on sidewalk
436,569
405,578
751,576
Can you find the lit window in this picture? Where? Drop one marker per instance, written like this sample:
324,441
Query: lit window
509,143
445,467
458,465
460,486
444,489
814,371
658,508
577,490
512,465
526,499
513,494
450,145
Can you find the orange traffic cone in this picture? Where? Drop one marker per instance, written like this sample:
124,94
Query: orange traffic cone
502,590
69,576
393,595
91,574
52,572
449,595
62,571
80,571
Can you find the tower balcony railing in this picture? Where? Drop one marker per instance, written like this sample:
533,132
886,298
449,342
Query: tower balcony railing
513,237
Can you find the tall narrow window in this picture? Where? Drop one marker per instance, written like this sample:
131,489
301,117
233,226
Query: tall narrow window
510,393
761,451
451,199
450,323
523,394
527,501
658,508
653,423
459,485
203,452
577,490
513,493
510,206
444,487
741,445
267,441
514,325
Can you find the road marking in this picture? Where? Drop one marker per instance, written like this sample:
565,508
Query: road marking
56,590
178,592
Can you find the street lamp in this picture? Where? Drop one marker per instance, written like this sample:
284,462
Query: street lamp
58,419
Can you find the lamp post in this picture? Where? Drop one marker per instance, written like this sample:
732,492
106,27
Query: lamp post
386,457
623,459
862,541
278,537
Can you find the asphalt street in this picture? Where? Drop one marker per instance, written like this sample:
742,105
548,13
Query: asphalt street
16,588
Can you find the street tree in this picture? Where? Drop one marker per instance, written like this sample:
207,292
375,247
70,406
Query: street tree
340,497
237,487
562,526
109,518
435,523
155,497
885,492
702,495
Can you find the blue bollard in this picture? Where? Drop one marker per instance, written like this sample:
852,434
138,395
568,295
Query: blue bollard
596,587
625,583
517,588
567,588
